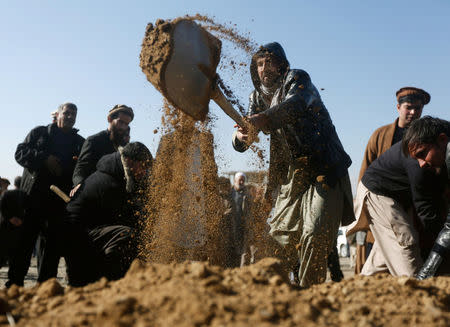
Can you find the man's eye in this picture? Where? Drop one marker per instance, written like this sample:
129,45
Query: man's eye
420,155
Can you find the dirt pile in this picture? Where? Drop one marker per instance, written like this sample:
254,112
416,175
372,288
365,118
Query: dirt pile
197,294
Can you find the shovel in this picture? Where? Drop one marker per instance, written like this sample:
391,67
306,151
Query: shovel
188,78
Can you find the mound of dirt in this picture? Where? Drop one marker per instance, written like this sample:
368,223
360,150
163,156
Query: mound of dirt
197,294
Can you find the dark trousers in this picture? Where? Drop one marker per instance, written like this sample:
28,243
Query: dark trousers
42,226
334,265
11,240
48,251
105,251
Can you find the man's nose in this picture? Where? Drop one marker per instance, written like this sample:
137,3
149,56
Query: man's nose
422,163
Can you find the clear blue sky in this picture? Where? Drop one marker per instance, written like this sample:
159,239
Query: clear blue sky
87,52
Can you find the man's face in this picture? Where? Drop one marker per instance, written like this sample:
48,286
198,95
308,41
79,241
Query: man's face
239,182
408,112
268,70
66,118
430,156
119,128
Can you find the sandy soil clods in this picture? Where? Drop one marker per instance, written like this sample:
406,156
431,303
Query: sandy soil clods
197,294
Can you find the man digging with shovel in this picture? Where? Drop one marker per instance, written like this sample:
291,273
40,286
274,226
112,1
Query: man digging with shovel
308,164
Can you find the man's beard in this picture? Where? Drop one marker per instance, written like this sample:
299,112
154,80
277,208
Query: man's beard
118,137
269,90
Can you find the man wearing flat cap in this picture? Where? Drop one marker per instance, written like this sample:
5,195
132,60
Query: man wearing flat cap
410,103
396,199
102,143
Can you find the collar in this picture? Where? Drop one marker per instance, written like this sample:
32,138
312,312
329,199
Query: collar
52,127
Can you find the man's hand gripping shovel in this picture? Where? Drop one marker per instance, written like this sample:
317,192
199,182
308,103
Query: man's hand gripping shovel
189,80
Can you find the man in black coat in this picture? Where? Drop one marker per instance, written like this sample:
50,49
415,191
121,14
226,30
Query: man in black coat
391,190
102,216
14,206
104,142
48,155
428,141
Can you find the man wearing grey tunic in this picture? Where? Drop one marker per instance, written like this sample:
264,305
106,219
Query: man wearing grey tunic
308,165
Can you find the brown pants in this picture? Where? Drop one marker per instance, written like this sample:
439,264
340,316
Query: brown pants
396,248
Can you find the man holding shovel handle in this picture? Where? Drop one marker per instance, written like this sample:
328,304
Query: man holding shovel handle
308,165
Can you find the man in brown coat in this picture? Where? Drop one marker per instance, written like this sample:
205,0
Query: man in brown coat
410,104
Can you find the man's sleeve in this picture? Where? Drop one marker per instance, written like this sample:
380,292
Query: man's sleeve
28,153
370,155
301,94
427,191
252,109
85,163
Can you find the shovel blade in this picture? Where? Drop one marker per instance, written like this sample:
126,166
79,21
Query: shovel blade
188,75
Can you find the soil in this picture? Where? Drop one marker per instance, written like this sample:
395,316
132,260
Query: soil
156,50
183,205
197,294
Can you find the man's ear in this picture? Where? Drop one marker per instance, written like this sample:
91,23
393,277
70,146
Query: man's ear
109,119
442,139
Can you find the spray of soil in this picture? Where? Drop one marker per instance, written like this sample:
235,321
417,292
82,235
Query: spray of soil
184,213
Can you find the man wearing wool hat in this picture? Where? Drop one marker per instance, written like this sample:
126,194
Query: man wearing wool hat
396,199
410,103
102,143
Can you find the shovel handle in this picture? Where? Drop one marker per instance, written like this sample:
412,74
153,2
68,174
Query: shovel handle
226,106
60,193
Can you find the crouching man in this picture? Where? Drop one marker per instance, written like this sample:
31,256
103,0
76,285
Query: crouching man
392,188
427,140
102,217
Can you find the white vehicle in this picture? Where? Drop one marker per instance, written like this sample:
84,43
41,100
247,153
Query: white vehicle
342,243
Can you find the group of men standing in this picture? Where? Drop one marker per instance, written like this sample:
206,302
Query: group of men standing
98,173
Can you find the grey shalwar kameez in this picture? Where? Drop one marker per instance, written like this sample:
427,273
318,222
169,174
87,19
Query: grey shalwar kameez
308,166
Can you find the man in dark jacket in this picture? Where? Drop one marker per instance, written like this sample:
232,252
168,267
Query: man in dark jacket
391,189
428,141
308,164
48,155
104,142
103,215
14,207
410,103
